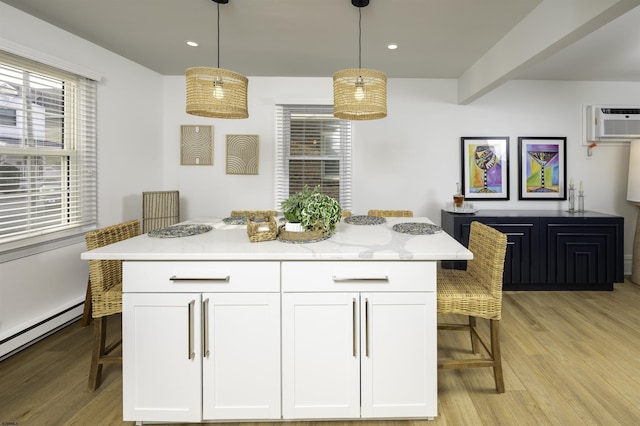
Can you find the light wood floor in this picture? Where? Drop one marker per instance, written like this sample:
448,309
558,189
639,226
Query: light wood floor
570,358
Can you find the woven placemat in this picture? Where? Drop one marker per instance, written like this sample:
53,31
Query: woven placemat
364,220
178,231
235,220
416,228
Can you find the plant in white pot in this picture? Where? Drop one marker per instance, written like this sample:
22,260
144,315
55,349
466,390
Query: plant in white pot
313,210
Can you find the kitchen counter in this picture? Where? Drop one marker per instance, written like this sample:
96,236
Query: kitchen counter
230,242
217,328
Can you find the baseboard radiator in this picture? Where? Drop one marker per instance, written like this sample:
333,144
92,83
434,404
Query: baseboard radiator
24,338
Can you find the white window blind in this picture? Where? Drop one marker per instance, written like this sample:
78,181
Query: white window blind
312,148
47,153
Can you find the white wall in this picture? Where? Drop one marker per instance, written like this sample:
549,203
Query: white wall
129,161
411,159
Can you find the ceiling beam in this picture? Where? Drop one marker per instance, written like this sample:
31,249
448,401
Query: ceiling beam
549,28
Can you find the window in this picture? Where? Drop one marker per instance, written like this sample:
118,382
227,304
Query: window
47,153
312,148
8,117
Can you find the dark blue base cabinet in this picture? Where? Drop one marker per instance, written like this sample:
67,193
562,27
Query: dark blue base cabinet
551,250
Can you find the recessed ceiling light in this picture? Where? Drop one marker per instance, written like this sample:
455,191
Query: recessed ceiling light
392,46
191,43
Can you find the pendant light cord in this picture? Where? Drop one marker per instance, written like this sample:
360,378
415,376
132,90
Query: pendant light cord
360,38
218,35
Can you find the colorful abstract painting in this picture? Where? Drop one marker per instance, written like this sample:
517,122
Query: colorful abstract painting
542,168
485,168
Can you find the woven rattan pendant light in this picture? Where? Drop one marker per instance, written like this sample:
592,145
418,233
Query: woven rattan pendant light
359,93
216,92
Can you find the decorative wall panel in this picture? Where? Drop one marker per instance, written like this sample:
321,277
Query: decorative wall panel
242,154
196,145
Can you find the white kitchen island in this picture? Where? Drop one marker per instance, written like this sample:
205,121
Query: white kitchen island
217,328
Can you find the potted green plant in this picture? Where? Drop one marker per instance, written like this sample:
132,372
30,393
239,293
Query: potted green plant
312,210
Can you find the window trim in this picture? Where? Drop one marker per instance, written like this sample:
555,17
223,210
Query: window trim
46,244
44,58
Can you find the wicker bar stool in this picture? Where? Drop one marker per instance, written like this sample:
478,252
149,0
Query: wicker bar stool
477,293
391,213
160,209
105,278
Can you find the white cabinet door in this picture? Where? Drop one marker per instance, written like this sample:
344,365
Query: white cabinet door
162,365
241,356
399,364
320,355
389,371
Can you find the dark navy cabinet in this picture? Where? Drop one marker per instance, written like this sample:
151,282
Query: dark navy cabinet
550,250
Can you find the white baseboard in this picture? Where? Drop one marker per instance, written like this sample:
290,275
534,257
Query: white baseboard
628,261
42,329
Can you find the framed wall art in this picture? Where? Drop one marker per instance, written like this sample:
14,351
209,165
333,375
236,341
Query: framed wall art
485,168
242,154
542,168
196,145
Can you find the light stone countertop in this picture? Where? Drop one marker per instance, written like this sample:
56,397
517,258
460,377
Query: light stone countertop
230,242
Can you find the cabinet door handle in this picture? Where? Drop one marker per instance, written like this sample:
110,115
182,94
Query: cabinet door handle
216,279
338,279
366,326
191,314
354,329
205,328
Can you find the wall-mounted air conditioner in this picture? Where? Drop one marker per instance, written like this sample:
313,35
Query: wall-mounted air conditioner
612,123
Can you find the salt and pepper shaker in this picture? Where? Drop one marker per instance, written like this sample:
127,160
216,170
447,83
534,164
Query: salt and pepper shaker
581,198
572,197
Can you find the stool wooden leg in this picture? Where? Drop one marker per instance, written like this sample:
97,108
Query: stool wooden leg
99,338
473,330
86,315
496,355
